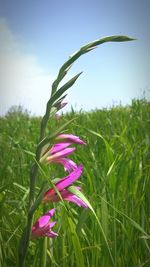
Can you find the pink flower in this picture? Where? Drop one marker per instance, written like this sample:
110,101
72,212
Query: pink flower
61,185
42,226
59,147
59,151
54,156
70,138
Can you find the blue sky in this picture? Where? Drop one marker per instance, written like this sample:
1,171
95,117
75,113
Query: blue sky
37,37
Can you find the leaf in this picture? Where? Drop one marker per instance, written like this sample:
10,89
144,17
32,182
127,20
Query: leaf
113,38
65,87
79,194
83,217
55,84
135,224
24,189
108,148
29,152
76,244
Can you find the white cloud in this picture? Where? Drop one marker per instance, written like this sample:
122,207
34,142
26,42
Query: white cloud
22,79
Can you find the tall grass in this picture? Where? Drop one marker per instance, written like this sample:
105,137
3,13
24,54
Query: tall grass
116,181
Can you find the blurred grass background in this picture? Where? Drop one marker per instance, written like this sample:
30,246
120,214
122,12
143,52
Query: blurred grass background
116,181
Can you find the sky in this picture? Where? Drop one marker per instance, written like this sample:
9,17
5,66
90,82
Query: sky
37,37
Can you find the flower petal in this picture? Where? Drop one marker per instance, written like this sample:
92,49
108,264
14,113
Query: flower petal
42,225
68,180
43,220
70,138
58,147
68,164
41,231
62,153
52,196
51,234
52,224
73,198
49,196
66,195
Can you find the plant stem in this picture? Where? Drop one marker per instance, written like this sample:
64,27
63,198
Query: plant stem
24,242
43,258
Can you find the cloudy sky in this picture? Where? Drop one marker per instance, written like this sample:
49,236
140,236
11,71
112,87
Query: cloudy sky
36,38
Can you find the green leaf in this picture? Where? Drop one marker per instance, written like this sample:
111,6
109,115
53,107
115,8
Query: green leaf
55,84
114,38
83,217
135,224
65,87
79,194
76,244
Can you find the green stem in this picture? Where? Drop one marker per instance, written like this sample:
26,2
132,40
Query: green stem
24,242
43,259
25,239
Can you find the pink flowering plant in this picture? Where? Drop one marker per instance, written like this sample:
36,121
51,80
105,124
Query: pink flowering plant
43,226
59,152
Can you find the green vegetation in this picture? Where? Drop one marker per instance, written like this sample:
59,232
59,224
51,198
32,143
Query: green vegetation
116,181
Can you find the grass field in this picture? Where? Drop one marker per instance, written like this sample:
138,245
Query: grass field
116,181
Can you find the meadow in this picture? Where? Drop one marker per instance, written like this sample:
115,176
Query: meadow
116,181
